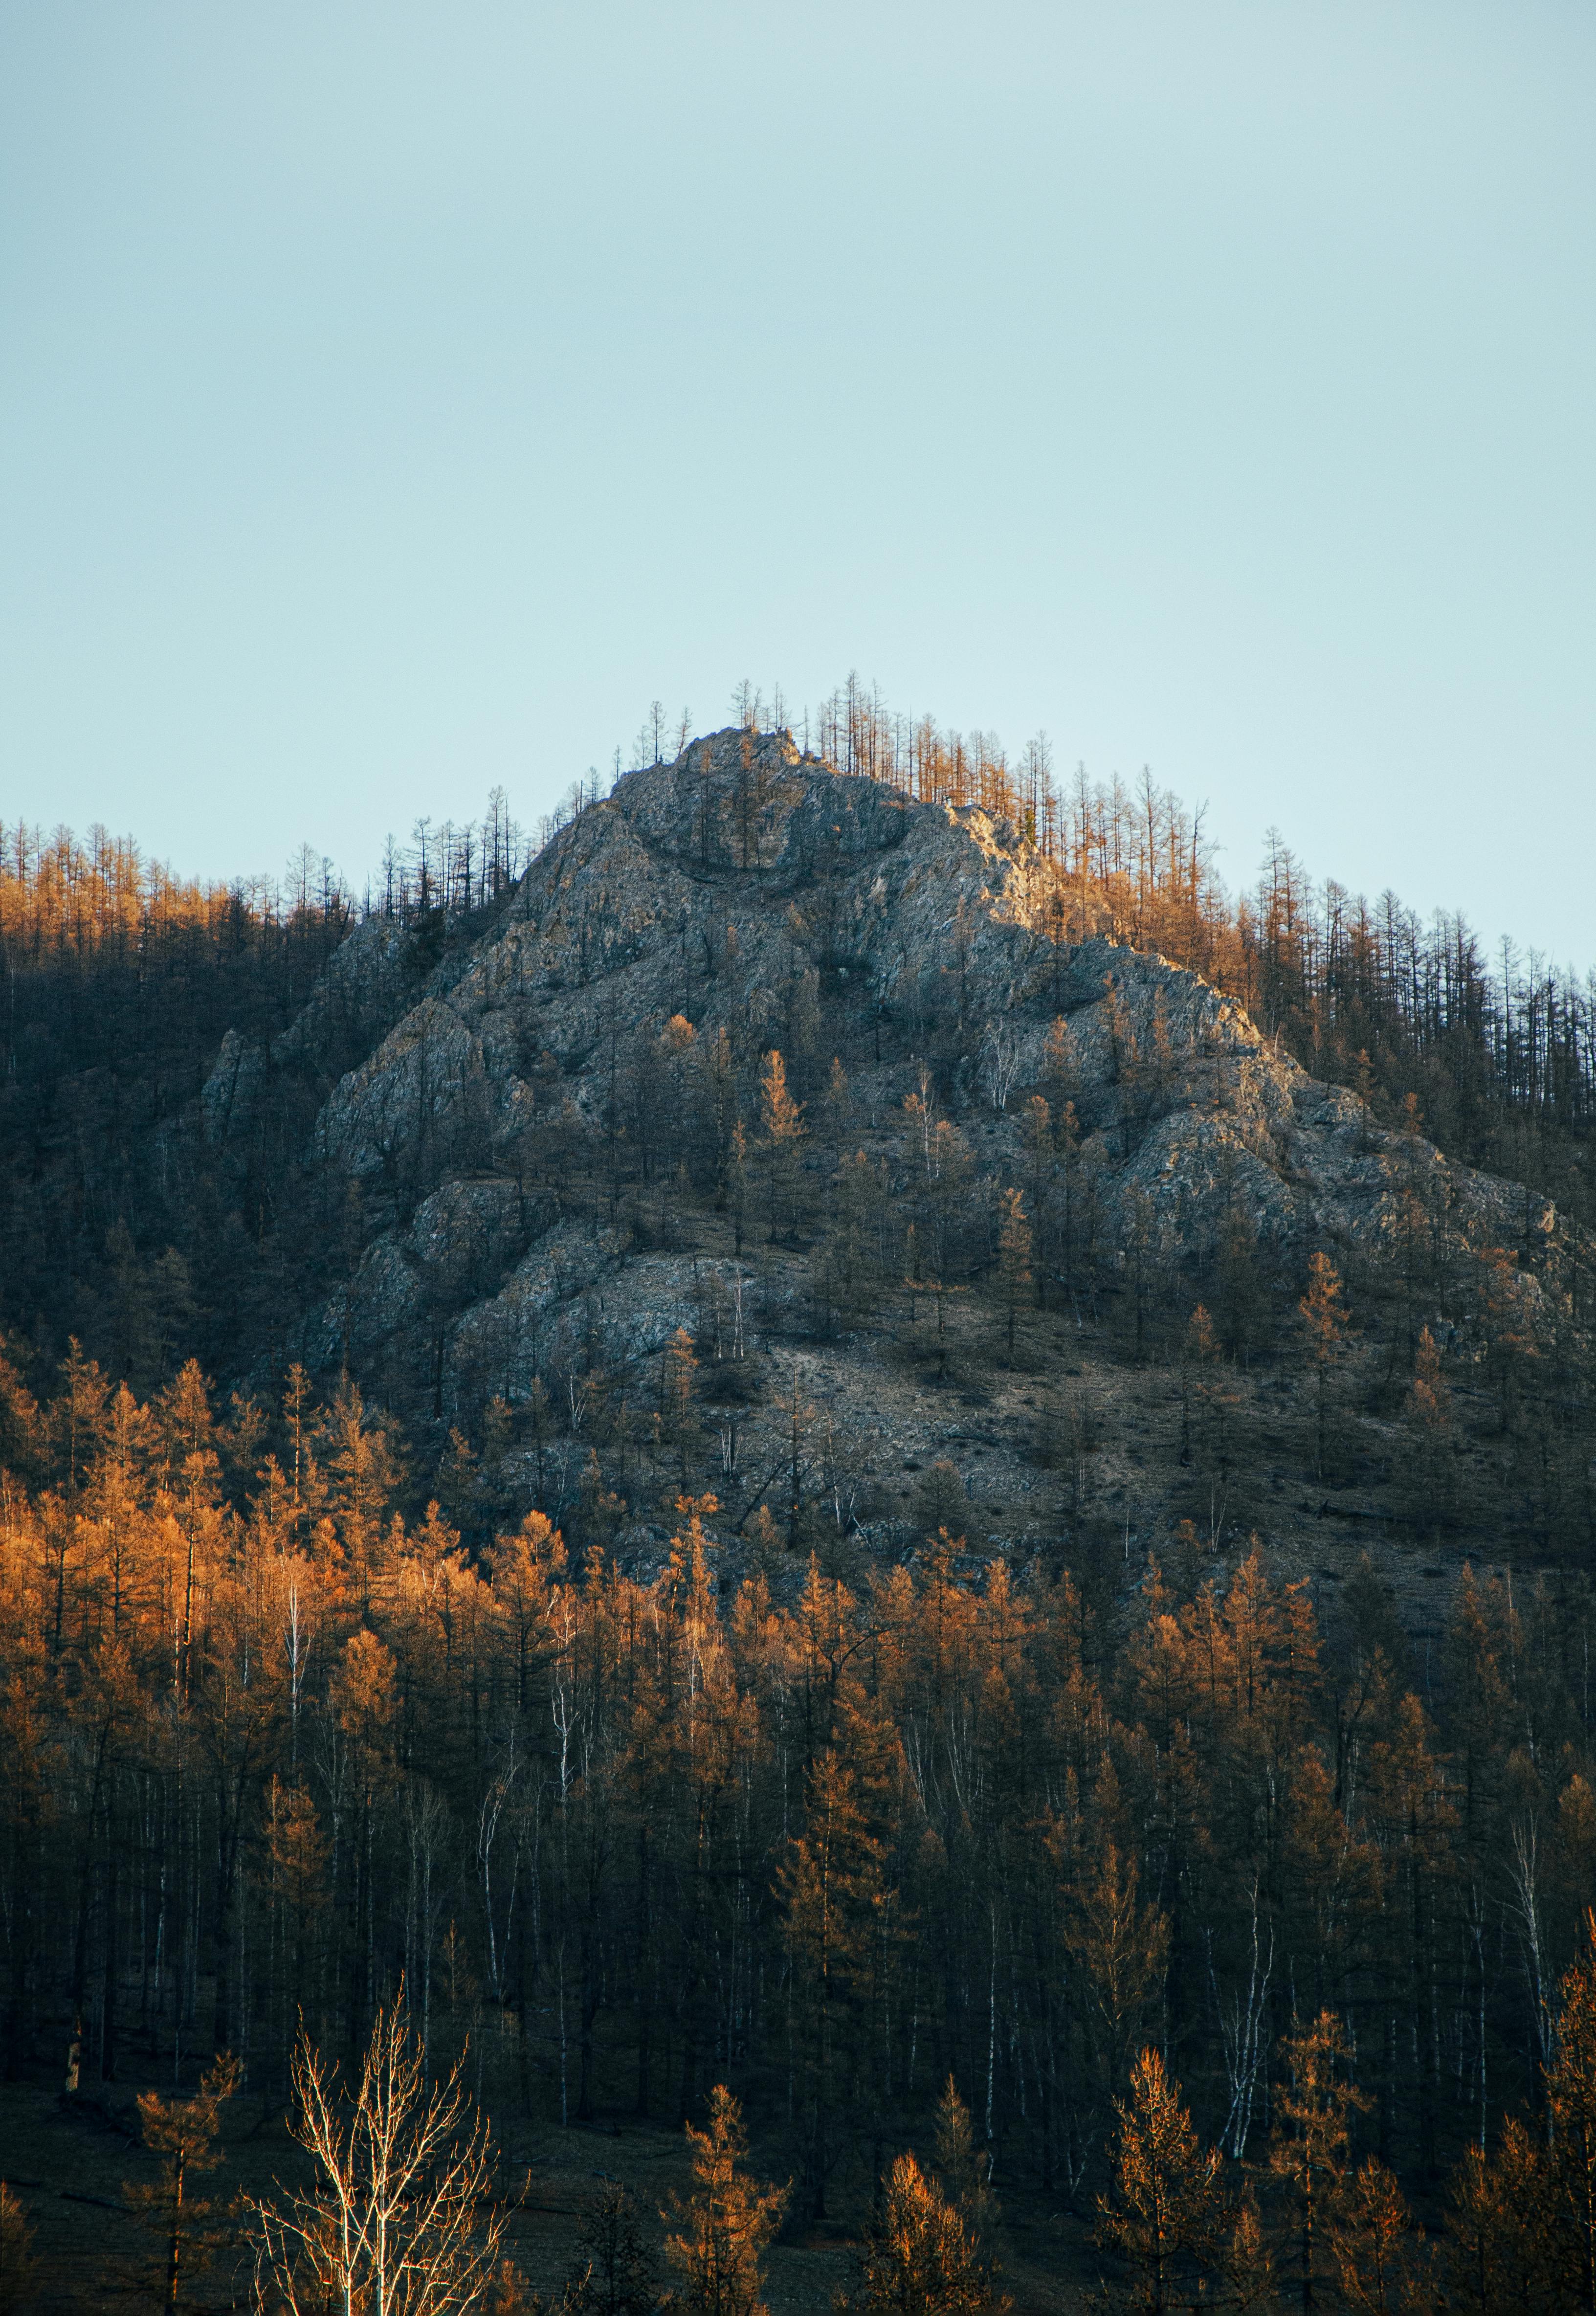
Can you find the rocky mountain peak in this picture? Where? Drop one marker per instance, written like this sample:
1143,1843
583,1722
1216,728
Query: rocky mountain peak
564,1150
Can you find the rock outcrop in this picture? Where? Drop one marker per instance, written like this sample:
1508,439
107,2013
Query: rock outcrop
751,890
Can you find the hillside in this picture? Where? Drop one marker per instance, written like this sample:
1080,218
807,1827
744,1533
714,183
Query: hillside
566,1151
766,1452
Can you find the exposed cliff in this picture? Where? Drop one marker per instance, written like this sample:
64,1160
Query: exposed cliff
526,1139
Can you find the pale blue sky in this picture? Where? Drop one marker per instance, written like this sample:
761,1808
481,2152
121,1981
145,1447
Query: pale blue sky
395,399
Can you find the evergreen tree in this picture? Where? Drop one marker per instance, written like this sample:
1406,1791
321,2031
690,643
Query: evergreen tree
719,2234
185,2135
1309,2151
920,2261
1164,2214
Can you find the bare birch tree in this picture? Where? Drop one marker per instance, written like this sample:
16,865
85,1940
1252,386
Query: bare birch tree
399,2221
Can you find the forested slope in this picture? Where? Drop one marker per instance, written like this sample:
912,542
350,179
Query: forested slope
822,1463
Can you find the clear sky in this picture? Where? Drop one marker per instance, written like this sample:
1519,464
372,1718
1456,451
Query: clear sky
394,399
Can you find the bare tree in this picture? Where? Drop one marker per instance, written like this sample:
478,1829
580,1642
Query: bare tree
399,2221
1000,1060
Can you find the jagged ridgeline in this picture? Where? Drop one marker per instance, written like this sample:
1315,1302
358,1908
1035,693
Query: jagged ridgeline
917,1075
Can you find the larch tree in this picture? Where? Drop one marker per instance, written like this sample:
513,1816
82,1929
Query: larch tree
1121,1946
1208,1399
1369,2246
1324,1330
185,2135
1571,2115
1428,1409
1164,2214
837,1104
679,1424
781,1122
616,2276
1309,2151
919,2259
1014,1259
718,2235
831,1888
964,2172
1501,2249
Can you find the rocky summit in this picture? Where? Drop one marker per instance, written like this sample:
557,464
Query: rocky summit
564,1155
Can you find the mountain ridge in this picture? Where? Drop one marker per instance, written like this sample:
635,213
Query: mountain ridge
540,1145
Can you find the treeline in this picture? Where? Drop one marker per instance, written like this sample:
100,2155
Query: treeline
59,896
120,983
272,1744
1500,1053
116,970
461,867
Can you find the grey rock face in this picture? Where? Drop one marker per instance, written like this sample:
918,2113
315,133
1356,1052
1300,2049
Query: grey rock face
227,1096
747,889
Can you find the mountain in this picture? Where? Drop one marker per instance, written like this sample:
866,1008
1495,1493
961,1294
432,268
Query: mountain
823,1441
567,1149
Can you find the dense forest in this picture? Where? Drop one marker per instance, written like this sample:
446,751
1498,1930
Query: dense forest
120,984
274,1747
634,1740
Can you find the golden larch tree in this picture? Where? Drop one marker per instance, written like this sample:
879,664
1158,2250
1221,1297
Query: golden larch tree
1164,2214
719,2232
